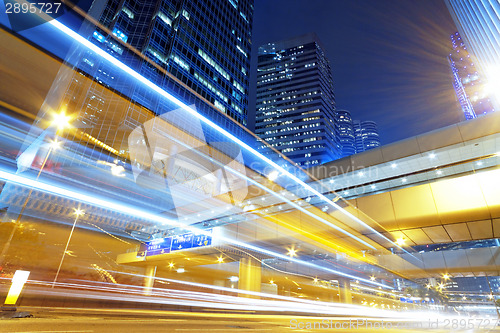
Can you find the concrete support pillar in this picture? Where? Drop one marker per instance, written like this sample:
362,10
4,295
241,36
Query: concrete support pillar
250,275
149,279
345,291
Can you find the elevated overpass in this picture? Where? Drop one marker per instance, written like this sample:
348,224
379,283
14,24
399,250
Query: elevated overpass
440,187
342,220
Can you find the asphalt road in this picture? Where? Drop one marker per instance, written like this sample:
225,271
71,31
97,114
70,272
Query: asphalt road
107,320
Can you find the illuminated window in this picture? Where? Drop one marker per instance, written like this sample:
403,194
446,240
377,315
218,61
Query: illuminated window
244,17
98,36
164,18
235,4
158,55
120,34
240,87
242,51
219,69
115,47
128,12
180,62
219,106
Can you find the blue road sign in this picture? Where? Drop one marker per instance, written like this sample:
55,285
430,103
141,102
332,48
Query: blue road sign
174,243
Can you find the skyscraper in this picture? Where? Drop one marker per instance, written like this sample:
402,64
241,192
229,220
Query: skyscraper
366,135
345,132
469,87
478,22
204,44
295,101
197,50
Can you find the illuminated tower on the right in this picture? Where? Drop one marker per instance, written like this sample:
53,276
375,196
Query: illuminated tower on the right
478,22
366,135
470,88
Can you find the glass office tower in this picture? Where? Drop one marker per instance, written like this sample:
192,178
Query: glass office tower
469,87
345,132
198,50
295,101
204,44
366,135
478,22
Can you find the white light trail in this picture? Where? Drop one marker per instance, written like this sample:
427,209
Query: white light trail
103,203
273,303
216,127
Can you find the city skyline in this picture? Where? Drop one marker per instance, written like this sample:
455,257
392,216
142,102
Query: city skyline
296,101
127,191
384,62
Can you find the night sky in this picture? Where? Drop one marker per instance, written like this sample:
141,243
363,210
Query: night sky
388,57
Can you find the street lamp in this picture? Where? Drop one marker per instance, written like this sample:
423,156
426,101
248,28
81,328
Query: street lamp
60,121
78,212
292,252
400,241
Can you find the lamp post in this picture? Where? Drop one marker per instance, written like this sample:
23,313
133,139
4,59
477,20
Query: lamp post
78,213
60,121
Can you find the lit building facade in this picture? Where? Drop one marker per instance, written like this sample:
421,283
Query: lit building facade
478,24
197,50
477,284
345,132
295,101
204,44
366,135
470,89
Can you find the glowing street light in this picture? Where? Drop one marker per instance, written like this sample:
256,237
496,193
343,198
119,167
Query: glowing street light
446,276
171,265
60,120
78,212
220,259
292,252
400,241
55,144
372,278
